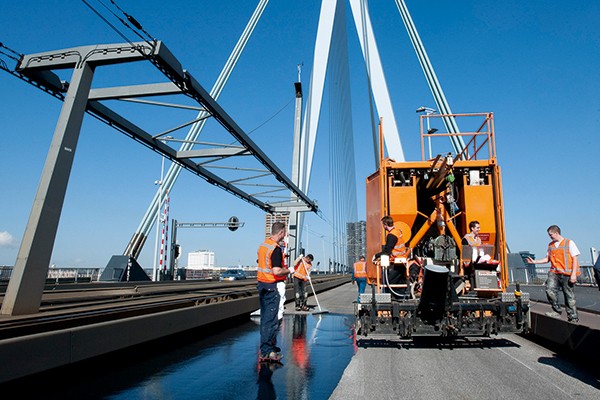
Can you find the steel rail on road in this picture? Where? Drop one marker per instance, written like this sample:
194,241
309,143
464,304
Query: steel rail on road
64,306
86,321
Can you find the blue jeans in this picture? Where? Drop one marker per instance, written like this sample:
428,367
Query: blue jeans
553,284
362,284
269,323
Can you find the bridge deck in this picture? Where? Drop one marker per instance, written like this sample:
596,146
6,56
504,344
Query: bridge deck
322,360
78,325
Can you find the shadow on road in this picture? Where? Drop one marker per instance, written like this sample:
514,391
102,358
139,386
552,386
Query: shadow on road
591,376
436,342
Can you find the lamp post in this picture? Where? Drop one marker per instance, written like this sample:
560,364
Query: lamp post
428,111
159,183
158,216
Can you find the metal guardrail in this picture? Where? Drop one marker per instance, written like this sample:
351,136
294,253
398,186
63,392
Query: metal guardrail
75,275
76,325
538,275
524,275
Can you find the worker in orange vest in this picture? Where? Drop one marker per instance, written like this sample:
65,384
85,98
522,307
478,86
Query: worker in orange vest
395,247
563,256
302,267
270,268
360,276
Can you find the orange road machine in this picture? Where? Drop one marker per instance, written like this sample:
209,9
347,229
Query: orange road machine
445,288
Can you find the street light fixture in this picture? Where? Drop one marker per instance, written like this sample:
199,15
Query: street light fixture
159,183
428,111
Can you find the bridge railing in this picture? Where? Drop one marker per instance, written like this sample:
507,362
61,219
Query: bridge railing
59,275
538,275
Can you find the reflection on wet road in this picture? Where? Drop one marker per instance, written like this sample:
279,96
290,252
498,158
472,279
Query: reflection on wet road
316,349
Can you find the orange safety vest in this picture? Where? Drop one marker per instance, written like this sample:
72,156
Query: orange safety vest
560,258
264,272
472,240
400,249
360,269
302,269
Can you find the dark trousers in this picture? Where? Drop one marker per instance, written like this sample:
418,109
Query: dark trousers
300,294
556,282
397,275
269,324
597,276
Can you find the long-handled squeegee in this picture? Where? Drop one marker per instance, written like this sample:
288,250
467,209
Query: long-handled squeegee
320,311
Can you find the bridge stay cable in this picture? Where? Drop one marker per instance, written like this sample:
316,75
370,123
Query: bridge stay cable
431,77
136,243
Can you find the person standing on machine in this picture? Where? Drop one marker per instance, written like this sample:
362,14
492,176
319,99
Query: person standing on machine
396,249
473,240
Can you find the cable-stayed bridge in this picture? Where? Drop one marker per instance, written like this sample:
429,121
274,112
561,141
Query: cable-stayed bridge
163,139
226,162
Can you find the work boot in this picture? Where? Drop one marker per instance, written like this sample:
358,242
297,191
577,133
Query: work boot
272,357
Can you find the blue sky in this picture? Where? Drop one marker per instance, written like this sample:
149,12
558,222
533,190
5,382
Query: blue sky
534,64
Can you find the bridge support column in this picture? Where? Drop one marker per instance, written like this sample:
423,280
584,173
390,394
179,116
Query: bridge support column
26,286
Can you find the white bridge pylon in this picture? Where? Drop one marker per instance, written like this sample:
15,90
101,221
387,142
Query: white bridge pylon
327,54
324,41
328,37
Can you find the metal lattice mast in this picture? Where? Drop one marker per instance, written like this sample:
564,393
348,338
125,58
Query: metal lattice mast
296,218
139,238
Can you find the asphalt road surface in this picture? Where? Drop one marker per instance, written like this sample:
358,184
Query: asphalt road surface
507,366
504,368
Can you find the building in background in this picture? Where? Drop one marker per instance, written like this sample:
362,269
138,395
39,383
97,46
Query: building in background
201,259
270,219
356,241
522,272
530,268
